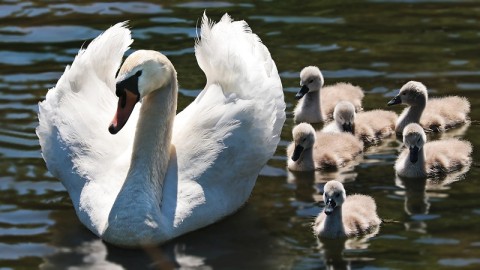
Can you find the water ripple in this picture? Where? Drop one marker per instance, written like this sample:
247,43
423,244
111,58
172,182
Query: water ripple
46,34
295,20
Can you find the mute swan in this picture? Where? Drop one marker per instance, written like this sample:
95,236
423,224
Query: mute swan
316,102
433,159
345,216
312,150
370,127
162,175
436,114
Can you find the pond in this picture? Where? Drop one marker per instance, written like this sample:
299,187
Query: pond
378,45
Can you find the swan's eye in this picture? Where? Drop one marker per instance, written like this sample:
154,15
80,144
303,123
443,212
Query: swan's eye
138,74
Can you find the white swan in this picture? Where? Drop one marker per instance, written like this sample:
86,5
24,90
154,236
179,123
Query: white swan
162,176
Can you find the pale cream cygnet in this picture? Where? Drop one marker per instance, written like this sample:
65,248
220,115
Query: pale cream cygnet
370,127
311,150
316,102
436,114
345,216
432,159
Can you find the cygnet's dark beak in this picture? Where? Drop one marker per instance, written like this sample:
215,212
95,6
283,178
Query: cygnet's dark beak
329,206
414,154
348,127
297,152
302,92
395,100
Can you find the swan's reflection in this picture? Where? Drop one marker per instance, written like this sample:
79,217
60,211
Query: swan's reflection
241,239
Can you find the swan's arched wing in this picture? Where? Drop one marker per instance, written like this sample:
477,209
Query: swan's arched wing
75,115
225,137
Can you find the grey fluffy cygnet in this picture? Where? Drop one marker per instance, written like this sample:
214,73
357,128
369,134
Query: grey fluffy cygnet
436,114
432,159
317,102
311,150
370,126
345,216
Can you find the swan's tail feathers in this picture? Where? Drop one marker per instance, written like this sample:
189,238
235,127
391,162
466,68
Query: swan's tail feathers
235,58
81,102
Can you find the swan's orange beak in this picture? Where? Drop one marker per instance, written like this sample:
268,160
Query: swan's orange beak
126,103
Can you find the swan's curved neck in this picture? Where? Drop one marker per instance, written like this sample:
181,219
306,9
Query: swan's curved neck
142,190
151,149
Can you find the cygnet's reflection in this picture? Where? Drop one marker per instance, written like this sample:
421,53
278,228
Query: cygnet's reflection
336,252
418,192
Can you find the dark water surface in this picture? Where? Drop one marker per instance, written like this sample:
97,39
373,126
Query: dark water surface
378,45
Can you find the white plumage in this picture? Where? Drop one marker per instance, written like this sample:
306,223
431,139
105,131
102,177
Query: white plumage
162,175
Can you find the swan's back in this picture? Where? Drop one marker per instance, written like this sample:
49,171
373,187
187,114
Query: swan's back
445,112
335,150
446,156
332,94
225,137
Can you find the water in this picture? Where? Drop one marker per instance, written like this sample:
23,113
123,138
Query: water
378,45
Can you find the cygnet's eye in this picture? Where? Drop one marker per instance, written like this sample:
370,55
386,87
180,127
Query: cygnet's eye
418,141
337,195
304,139
311,81
404,93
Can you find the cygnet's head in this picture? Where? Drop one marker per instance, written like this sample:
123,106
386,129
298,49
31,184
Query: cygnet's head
303,138
414,138
333,195
311,79
344,116
412,93
143,72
